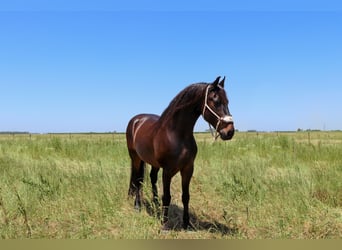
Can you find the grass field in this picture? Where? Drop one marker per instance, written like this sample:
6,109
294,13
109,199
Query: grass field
259,185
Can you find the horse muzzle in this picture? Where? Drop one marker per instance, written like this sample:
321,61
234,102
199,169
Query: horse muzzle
227,132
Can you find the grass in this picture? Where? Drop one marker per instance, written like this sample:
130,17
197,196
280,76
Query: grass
259,185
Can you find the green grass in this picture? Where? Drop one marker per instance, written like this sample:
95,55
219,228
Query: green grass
259,185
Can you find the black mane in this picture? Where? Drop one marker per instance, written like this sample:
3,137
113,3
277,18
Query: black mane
189,96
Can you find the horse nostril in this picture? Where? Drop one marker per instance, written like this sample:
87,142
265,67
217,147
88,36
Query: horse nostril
231,132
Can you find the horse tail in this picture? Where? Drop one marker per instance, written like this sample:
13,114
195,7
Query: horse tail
137,165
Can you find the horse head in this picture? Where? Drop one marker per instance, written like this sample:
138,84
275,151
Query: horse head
216,111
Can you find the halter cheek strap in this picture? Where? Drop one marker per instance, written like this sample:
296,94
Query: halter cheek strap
226,118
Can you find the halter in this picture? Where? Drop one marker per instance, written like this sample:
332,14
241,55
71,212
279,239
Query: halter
226,118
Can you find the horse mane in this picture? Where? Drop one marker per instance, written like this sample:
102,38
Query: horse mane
186,98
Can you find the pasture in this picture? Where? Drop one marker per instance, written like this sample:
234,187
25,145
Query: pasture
257,186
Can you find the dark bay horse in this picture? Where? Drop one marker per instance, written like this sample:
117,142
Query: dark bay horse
167,141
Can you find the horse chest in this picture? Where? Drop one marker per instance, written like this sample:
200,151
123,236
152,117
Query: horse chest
176,153
146,153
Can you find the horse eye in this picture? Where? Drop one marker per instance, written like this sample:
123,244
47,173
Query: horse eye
215,98
217,101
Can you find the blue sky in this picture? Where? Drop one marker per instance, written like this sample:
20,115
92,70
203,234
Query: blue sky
79,66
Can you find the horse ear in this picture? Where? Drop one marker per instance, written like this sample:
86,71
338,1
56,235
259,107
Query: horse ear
222,82
216,82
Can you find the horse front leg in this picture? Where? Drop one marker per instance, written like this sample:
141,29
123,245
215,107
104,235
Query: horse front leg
154,178
166,196
186,174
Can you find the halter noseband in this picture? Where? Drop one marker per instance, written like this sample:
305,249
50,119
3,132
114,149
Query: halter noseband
226,118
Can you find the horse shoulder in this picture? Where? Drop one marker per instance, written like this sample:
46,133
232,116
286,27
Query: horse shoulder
172,150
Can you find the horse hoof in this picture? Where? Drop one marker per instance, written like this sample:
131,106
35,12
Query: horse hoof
137,208
165,228
189,227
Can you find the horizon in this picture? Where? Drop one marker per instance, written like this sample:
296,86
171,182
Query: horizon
299,130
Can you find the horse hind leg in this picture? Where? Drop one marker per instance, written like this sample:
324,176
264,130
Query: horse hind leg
137,179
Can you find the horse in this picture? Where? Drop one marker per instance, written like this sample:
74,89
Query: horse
167,141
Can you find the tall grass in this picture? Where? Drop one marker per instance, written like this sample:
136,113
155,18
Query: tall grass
264,185
279,187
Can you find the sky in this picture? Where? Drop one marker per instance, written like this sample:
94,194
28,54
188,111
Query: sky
89,66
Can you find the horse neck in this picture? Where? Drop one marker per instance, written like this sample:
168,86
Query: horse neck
183,121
